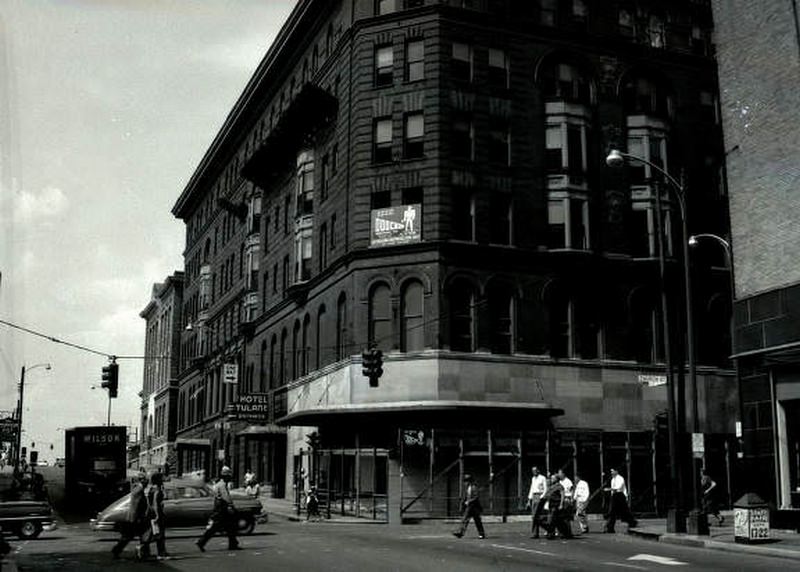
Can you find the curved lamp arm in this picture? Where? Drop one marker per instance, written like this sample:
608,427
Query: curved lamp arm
616,158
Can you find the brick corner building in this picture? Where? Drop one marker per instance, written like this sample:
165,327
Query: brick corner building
429,177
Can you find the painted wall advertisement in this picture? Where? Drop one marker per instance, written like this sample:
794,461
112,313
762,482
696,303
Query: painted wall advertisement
396,225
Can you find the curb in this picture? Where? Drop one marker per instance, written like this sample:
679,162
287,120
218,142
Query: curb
693,541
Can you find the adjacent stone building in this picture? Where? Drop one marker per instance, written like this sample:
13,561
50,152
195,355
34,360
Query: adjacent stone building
759,72
429,177
163,318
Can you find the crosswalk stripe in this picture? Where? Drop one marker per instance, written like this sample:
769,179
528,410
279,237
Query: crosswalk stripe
665,560
531,550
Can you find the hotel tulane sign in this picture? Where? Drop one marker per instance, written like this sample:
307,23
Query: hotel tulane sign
254,406
396,225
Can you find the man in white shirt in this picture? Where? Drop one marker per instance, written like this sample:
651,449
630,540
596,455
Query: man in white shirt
565,482
618,507
537,490
581,496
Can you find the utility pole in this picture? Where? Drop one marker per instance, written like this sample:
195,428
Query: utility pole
19,417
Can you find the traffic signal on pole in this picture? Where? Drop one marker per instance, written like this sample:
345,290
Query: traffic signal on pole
372,365
111,379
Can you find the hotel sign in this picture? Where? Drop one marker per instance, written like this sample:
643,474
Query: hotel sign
254,406
396,225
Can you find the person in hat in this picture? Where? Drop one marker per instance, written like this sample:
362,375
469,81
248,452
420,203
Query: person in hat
224,515
472,508
136,523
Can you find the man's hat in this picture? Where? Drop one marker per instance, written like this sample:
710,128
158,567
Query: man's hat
225,471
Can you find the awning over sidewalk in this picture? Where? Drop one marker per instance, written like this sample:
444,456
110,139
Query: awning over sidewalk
440,413
269,429
192,442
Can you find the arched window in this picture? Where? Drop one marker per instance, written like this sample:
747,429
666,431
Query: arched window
559,309
461,296
297,351
262,358
321,338
501,318
565,81
273,364
284,365
380,317
412,330
643,94
645,326
305,357
341,327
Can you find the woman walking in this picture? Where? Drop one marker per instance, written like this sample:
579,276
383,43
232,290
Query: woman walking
709,486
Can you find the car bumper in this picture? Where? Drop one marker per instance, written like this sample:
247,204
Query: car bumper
102,525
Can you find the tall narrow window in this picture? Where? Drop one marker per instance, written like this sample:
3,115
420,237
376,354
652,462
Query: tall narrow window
463,137
462,62
380,317
499,142
325,176
305,355
341,327
412,328
323,246
285,273
414,135
463,214
498,68
321,339
382,150
384,65
303,252
462,316
500,219
305,184
501,311
284,367
415,60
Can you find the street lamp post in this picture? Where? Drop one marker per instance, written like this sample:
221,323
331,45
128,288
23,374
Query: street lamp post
20,405
617,158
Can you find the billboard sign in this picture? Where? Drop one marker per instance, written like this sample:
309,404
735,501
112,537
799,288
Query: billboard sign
396,225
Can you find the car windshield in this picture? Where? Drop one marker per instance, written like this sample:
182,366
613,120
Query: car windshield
178,490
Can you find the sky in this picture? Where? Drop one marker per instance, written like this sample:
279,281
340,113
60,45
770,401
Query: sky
106,109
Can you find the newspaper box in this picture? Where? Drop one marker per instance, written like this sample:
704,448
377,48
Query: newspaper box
751,519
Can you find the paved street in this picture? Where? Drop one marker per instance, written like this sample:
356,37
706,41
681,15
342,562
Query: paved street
286,545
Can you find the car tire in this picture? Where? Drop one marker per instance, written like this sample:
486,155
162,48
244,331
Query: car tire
29,530
245,524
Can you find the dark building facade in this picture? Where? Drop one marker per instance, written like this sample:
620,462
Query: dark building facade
164,322
759,63
429,177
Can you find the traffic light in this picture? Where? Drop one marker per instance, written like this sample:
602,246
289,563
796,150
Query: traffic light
111,379
372,365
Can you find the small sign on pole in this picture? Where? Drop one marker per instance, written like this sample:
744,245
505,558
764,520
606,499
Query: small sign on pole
738,429
230,373
652,380
698,445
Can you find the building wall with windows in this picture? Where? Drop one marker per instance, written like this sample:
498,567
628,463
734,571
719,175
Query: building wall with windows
759,67
162,357
430,177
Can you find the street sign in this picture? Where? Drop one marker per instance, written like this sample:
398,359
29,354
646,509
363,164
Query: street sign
652,380
230,373
738,429
698,444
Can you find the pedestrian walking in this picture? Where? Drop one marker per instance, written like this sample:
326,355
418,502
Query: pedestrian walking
312,504
618,506
224,515
535,494
557,520
136,523
566,483
581,496
157,530
709,487
251,486
472,508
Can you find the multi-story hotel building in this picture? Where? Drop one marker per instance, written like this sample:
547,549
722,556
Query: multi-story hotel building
159,393
429,176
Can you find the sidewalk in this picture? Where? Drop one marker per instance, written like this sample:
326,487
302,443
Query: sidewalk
784,544
285,509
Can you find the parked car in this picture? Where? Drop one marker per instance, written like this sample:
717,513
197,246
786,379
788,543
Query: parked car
186,503
26,518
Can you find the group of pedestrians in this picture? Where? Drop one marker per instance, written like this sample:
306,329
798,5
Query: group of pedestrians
146,519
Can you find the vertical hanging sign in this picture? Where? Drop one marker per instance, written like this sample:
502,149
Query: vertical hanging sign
230,373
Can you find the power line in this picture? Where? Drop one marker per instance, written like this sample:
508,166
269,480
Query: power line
55,340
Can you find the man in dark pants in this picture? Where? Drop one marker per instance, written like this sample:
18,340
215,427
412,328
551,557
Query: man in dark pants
618,506
137,523
472,509
224,515
556,520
